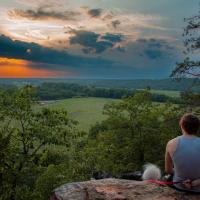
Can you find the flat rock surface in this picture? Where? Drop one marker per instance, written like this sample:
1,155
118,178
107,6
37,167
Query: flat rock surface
118,189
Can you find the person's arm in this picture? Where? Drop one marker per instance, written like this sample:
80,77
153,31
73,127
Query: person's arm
196,183
168,160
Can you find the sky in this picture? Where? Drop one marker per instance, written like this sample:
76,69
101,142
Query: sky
129,39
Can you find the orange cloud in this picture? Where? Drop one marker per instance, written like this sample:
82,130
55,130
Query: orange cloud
16,68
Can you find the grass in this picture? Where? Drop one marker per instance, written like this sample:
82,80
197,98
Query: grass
87,111
170,93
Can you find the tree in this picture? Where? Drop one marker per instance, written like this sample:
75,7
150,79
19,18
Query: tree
135,132
27,137
191,64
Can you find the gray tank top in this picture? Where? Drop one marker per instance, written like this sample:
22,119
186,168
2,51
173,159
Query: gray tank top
186,159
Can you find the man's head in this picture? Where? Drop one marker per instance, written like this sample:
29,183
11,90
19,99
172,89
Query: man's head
189,123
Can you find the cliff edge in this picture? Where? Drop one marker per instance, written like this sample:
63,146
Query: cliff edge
118,189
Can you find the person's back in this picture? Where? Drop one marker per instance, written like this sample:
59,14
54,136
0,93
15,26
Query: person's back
186,160
182,158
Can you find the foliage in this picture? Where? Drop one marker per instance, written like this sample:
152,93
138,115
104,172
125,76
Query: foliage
42,149
191,64
24,138
191,102
54,91
135,132
167,85
191,99
190,67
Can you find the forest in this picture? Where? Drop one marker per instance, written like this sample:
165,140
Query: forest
56,91
43,149
131,84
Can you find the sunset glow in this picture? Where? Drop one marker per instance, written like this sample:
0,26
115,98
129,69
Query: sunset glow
92,38
16,68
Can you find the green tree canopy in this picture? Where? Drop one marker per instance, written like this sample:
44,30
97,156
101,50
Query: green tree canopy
27,139
135,132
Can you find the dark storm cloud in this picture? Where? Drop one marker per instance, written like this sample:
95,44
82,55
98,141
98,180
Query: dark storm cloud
155,48
89,40
93,42
95,12
156,43
43,13
121,49
96,67
115,23
36,53
112,37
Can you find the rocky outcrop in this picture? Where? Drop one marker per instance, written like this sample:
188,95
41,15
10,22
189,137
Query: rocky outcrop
118,189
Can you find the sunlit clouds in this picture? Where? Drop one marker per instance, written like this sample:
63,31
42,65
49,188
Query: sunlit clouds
46,23
91,38
16,68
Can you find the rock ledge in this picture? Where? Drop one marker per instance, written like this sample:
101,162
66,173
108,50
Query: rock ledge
118,189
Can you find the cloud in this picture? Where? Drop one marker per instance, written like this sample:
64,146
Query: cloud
36,3
113,37
95,12
153,56
36,53
137,61
45,23
17,68
115,23
121,49
94,42
43,13
155,48
89,40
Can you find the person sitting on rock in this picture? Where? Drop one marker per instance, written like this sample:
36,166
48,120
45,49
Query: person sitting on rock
182,158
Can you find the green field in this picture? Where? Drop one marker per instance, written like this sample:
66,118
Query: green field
87,111
170,93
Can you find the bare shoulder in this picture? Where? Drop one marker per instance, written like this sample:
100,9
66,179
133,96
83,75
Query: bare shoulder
172,142
171,146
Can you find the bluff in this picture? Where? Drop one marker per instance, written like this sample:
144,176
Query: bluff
118,189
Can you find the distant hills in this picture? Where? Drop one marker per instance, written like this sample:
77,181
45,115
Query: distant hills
157,84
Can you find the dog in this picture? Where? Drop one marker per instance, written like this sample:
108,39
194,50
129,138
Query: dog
151,172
